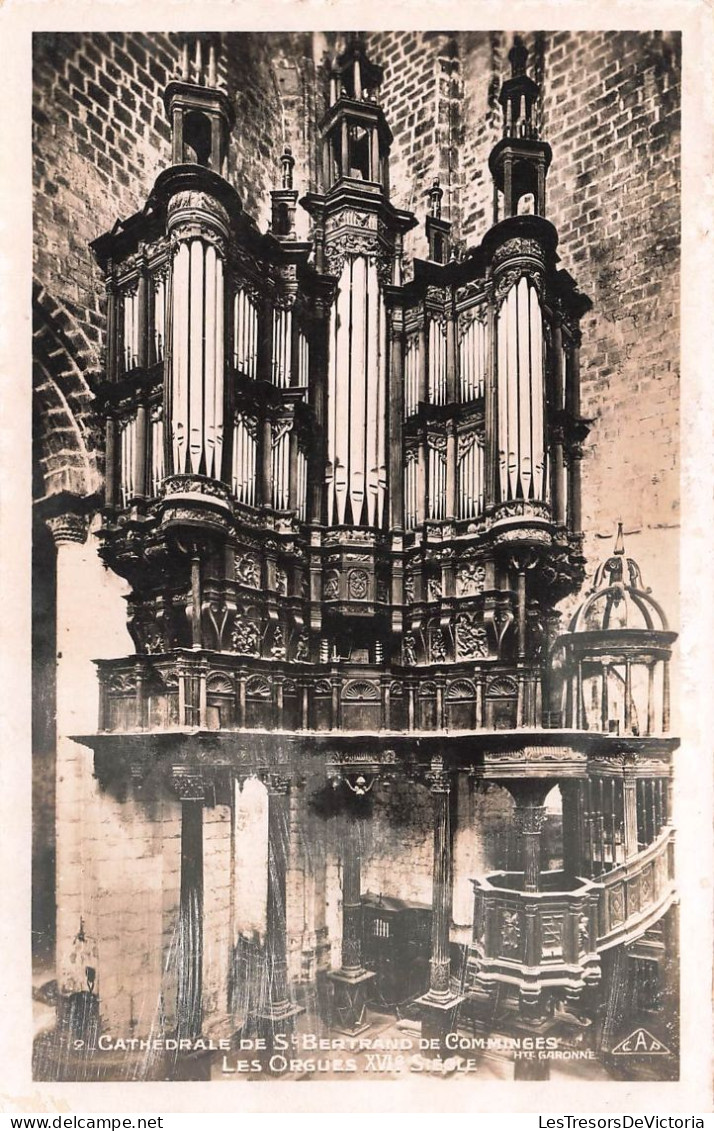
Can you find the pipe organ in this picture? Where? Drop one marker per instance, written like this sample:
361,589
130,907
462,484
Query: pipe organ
345,492
389,434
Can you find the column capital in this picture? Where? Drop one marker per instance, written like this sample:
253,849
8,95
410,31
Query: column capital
188,784
68,528
276,784
438,777
529,818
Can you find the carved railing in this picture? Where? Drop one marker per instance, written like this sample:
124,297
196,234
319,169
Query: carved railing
637,893
234,691
554,937
539,939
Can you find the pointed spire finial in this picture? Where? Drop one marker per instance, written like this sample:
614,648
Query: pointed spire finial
619,541
435,194
287,162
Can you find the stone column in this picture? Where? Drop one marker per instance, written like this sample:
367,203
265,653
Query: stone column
438,1005
265,449
77,1004
529,819
177,138
317,396
351,980
111,338
571,832
629,806
189,1005
278,1011
110,476
670,971
575,490
140,461
528,816
665,697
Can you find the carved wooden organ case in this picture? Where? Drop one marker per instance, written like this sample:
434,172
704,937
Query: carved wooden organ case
343,498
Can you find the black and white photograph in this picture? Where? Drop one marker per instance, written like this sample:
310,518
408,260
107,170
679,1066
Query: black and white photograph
356,452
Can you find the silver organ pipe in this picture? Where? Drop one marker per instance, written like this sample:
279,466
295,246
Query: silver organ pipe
244,459
338,392
195,352
536,389
282,347
159,317
303,368
437,362
357,397
180,337
281,465
301,485
128,458
473,355
563,370
213,364
470,475
131,327
411,375
525,406
436,471
197,361
411,490
383,483
520,395
245,334
157,449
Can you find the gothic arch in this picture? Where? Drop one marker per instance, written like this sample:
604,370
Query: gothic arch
65,442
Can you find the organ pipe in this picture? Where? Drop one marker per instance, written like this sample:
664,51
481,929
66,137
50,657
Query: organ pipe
473,359
245,336
437,362
130,305
281,466
197,360
521,443
411,491
159,317
157,450
301,485
411,375
282,348
436,491
470,476
128,459
356,476
244,459
303,367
